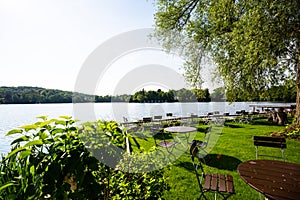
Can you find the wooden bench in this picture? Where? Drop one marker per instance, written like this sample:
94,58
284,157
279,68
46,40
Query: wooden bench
266,141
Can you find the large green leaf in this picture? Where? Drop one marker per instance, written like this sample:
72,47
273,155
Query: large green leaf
43,117
34,142
61,122
14,131
43,135
65,117
45,123
20,139
29,127
57,130
6,185
25,153
14,152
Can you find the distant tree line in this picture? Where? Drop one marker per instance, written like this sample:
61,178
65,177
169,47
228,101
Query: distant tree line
30,95
153,96
182,95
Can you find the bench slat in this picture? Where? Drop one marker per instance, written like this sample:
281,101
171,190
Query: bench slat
206,185
214,182
222,183
229,181
267,138
270,144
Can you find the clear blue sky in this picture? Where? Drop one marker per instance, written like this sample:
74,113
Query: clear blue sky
44,43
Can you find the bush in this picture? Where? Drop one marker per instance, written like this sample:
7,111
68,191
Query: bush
50,160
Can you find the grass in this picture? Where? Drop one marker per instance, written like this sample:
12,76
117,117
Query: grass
233,146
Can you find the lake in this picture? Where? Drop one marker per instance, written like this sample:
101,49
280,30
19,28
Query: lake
15,115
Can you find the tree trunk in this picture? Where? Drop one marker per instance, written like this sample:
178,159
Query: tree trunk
298,87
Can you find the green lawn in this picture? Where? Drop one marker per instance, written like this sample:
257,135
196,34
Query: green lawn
232,146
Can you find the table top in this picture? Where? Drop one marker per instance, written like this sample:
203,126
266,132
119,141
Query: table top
180,129
275,179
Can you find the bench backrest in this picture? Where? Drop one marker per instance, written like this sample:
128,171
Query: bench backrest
277,142
147,119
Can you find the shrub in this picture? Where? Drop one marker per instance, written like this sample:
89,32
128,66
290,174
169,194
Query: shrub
50,160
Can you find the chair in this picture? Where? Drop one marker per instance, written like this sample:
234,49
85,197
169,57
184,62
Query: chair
128,125
189,120
146,123
157,124
157,117
169,114
203,144
221,184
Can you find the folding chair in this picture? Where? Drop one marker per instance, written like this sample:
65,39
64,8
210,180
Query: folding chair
218,183
203,144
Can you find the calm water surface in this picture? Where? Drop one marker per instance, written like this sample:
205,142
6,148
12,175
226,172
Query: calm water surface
13,116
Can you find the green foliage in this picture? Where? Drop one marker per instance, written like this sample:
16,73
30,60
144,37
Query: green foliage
50,160
292,131
153,96
182,95
27,95
218,94
137,183
253,43
133,177
105,140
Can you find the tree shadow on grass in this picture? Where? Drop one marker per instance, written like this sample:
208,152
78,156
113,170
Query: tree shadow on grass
201,129
218,161
187,165
163,136
222,162
263,122
233,125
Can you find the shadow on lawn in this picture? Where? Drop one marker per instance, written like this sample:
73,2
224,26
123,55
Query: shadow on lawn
263,122
201,129
162,136
222,161
187,165
233,125
217,161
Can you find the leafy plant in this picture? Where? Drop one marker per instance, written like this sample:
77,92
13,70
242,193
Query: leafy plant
49,160
107,142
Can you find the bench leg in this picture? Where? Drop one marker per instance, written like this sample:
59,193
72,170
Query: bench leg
282,154
256,148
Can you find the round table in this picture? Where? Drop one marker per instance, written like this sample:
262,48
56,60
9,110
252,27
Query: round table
180,129
274,179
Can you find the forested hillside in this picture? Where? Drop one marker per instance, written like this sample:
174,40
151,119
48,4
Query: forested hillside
30,95
24,95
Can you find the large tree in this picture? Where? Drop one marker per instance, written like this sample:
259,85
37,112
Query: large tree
254,44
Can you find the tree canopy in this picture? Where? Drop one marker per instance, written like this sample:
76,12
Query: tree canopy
253,43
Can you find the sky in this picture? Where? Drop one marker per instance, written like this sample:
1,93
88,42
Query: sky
46,43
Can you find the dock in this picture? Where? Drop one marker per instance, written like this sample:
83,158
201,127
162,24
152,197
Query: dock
263,107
